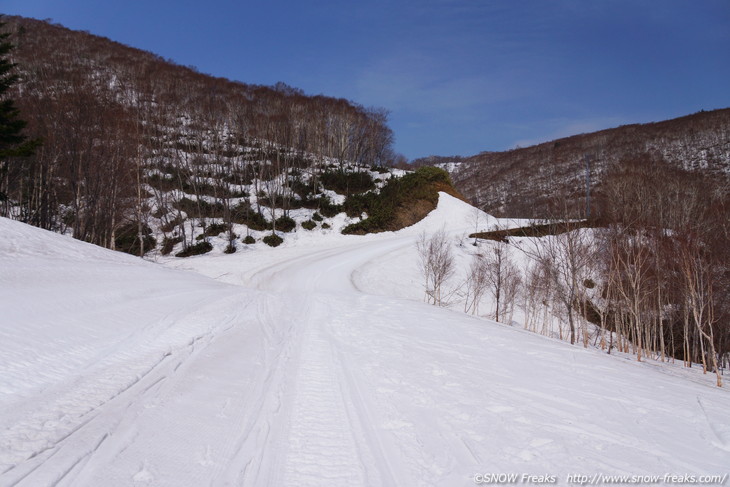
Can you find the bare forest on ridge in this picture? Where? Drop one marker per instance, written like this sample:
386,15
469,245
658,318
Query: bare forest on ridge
526,182
121,127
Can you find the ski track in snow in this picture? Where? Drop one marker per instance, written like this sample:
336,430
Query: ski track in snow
303,377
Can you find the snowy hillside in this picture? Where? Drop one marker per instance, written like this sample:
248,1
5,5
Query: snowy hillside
300,365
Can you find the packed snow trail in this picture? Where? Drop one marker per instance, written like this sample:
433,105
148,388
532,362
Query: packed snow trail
298,377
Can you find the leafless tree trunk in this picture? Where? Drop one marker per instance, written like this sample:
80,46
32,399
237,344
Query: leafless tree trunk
698,275
476,284
437,264
503,278
565,258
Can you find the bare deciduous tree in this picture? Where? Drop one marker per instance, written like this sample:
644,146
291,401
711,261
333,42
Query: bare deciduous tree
566,259
476,284
503,280
437,264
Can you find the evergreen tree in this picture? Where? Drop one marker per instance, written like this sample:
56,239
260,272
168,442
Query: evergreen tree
12,141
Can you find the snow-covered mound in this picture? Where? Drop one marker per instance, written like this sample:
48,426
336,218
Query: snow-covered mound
68,305
120,372
81,324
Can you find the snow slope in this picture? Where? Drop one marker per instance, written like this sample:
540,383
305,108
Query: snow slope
116,371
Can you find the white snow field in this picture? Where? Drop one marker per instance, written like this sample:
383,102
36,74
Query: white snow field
292,367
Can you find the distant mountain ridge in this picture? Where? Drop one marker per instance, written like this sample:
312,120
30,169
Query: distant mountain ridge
520,182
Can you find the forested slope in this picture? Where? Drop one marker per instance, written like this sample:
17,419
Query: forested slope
130,140
527,182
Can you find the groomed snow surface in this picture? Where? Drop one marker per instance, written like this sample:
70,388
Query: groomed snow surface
293,366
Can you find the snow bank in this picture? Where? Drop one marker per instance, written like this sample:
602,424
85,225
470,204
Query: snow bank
79,325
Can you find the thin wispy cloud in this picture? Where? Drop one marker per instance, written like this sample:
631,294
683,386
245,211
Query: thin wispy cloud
421,84
559,128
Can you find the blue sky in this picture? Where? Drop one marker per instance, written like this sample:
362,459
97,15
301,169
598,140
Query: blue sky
458,76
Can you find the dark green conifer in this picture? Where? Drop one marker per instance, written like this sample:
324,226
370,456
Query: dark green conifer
13,143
